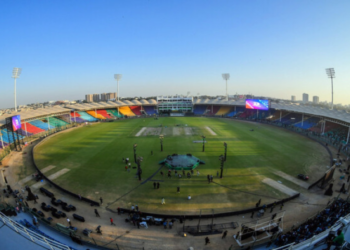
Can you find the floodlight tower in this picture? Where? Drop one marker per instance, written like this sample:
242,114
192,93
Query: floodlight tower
226,76
15,74
118,77
331,74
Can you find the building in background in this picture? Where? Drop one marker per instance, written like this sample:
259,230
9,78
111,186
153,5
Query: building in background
315,99
293,98
89,98
96,97
103,97
111,96
305,97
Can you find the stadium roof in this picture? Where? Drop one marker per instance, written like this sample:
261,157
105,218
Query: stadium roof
56,110
34,113
310,110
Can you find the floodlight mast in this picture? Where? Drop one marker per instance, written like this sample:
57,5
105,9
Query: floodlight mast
118,77
16,72
331,74
226,76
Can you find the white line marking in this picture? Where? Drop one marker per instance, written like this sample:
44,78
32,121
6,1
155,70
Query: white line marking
141,131
51,177
210,131
282,188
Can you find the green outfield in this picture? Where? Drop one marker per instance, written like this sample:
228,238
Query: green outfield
93,156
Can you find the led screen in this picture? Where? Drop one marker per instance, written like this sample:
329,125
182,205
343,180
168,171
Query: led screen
257,104
16,122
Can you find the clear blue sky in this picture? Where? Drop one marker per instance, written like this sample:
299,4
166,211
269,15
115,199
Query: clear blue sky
273,48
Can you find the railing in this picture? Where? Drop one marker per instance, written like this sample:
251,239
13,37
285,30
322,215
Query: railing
32,236
310,243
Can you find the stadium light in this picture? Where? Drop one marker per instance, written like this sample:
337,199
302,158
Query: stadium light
16,72
331,74
226,76
118,77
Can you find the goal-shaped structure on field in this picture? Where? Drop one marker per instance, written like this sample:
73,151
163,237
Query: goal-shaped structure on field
261,229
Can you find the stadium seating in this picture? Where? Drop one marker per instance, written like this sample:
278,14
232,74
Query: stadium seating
31,128
77,119
7,138
114,112
223,110
96,115
86,117
41,124
22,131
74,114
200,109
231,114
150,110
3,143
308,123
126,111
136,110
213,109
236,113
291,118
104,113
57,122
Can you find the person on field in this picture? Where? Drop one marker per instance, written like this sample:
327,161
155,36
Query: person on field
96,213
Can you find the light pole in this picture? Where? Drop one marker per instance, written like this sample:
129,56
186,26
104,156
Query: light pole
225,145
135,146
226,76
2,142
203,141
139,159
16,72
222,161
161,137
118,77
331,74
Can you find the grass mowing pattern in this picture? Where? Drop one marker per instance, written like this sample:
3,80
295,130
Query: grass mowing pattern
94,156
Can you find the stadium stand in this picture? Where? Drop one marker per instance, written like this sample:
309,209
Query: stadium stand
126,111
103,113
96,114
35,229
31,128
200,109
136,110
77,119
41,124
6,136
238,111
308,123
150,110
86,117
223,110
114,112
291,118
74,114
213,109
3,143
57,122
